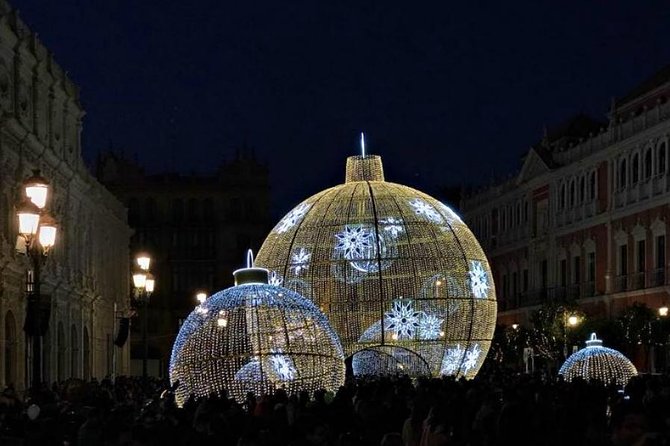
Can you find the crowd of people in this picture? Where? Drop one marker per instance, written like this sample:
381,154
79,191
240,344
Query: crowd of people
493,409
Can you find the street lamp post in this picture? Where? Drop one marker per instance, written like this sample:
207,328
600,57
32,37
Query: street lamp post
144,282
37,235
568,321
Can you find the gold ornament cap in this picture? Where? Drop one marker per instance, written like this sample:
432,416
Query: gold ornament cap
364,168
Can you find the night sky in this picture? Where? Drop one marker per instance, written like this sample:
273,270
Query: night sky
449,93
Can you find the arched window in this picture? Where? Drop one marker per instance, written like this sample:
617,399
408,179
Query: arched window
61,352
582,189
592,186
87,356
10,349
635,169
74,353
571,199
661,168
561,196
622,174
518,213
647,164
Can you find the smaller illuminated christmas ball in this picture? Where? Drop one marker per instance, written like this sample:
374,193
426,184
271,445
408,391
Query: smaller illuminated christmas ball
255,337
598,362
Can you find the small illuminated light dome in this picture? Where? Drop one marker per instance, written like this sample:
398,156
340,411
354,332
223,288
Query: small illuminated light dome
255,337
400,276
663,311
573,320
598,362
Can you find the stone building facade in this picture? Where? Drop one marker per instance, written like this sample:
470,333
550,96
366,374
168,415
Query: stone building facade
196,228
40,126
587,216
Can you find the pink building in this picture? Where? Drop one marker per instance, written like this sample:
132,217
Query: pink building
586,217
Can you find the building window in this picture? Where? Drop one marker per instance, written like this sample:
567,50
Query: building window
525,281
622,174
592,186
577,272
635,169
647,164
177,210
641,256
623,260
561,197
591,273
515,278
660,252
525,212
518,213
563,274
582,189
571,201
661,155
543,275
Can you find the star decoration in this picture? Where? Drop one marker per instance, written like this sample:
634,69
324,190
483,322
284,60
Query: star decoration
478,279
300,261
426,210
292,218
430,327
282,367
354,242
402,319
275,279
392,225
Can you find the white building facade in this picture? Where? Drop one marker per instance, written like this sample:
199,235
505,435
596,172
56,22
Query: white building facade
86,275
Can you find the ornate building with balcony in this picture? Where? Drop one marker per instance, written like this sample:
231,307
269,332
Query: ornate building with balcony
196,228
84,280
587,215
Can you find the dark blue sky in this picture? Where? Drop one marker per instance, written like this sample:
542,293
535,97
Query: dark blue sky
447,92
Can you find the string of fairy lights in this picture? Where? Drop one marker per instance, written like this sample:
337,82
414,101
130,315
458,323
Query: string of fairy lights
402,279
595,362
255,337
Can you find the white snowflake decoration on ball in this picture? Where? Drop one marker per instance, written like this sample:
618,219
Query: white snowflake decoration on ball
452,360
478,279
292,218
471,358
402,319
300,261
275,279
354,241
430,327
283,367
426,210
458,359
392,225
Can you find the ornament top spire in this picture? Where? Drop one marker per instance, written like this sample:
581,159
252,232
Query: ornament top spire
364,167
363,144
250,274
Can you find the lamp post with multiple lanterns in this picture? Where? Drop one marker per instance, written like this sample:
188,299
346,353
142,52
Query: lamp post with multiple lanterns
143,283
37,235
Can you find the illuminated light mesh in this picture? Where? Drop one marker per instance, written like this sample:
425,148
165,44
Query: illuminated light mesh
401,278
272,338
598,362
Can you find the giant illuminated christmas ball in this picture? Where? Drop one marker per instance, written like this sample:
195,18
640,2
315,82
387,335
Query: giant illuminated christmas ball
255,337
401,278
598,362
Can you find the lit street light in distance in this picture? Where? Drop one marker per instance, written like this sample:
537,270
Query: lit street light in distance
515,326
143,261
201,297
663,311
573,320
